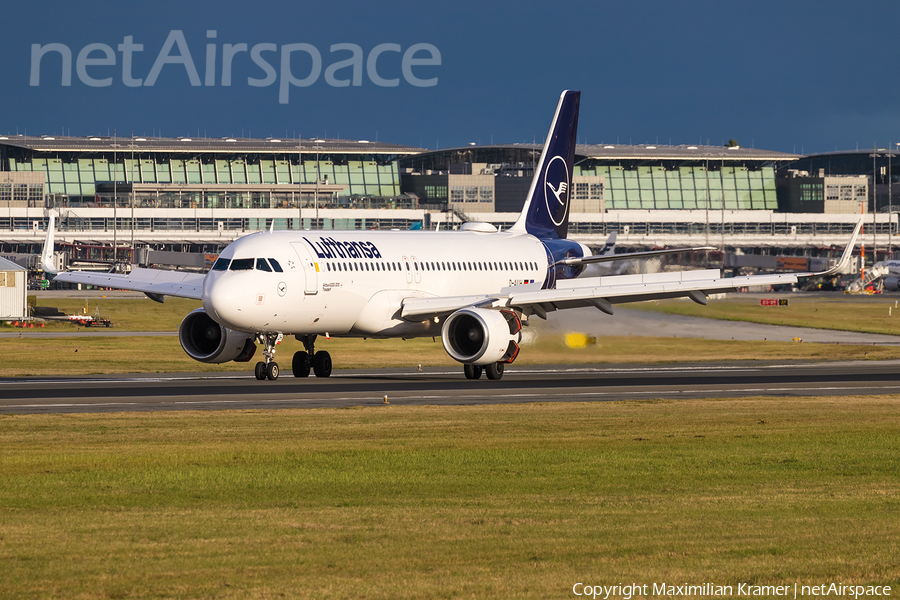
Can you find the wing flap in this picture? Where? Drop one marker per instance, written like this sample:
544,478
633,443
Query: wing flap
150,281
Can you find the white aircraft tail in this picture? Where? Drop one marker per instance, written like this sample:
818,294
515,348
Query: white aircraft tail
47,253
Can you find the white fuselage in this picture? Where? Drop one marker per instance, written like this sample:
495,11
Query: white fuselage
352,283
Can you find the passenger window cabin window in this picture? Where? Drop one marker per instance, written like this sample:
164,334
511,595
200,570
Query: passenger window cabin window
262,265
221,264
275,265
242,264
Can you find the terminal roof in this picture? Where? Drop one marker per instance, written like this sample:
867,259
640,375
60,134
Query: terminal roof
203,144
664,152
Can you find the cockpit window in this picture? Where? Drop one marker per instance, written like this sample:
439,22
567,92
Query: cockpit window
242,264
276,266
262,265
221,264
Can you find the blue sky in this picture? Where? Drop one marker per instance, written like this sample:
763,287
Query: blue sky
789,76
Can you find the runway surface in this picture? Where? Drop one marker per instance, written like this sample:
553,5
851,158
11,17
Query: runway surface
441,386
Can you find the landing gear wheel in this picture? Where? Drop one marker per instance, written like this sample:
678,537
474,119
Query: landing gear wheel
494,370
472,371
272,371
322,364
300,364
260,371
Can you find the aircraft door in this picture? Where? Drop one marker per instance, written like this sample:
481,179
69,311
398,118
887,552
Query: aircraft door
310,268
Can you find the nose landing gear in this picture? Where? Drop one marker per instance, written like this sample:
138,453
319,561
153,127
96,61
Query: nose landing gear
269,368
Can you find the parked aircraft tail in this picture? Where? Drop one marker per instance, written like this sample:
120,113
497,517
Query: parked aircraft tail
47,253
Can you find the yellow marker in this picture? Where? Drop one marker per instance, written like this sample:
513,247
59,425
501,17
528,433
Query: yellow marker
580,340
317,267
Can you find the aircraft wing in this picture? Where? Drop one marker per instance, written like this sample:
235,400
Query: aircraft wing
603,292
156,283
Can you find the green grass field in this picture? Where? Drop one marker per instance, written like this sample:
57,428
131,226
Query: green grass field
450,502
156,354
69,356
867,315
126,314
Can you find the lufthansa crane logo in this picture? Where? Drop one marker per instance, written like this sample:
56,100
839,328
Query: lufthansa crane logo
556,189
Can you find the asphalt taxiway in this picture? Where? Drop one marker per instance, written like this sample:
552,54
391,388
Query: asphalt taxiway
442,386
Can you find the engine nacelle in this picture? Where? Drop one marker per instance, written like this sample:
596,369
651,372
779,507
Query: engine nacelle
482,336
892,284
206,341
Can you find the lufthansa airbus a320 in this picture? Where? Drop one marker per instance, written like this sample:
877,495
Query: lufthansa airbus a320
474,287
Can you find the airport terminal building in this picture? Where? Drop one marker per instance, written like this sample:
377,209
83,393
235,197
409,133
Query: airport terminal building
199,194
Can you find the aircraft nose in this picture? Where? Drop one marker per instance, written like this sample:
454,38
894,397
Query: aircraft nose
223,297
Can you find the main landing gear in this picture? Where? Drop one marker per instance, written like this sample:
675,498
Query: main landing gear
320,362
494,370
301,362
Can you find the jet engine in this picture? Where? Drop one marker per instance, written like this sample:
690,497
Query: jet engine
206,341
482,336
892,284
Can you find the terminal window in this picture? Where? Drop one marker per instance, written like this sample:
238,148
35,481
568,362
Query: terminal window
581,191
437,192
811,192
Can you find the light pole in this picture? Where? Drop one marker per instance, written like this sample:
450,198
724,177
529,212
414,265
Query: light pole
874,156
300,181
317,181
891,206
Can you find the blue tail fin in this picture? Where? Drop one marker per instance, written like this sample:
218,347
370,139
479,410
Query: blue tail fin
546,211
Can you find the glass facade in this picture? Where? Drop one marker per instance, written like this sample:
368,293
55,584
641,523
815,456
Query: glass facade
686,187
75,175
637,177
